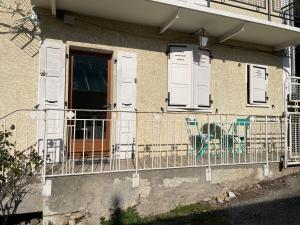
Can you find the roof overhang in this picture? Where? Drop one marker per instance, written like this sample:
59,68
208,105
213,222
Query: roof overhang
161,13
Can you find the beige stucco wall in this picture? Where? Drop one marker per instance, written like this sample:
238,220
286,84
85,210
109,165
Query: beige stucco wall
20,62
229,81
18,65
19,69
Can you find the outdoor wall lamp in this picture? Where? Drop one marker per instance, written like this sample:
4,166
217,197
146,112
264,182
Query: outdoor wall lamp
203,39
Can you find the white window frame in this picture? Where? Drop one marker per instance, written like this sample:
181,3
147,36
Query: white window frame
247,72
178,108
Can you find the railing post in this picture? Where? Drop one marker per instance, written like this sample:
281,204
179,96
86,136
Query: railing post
135,176
208,170
47,184
266,167
287,124
45,146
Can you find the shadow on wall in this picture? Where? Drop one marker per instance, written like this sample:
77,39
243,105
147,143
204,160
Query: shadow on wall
96,31
21,26
91,31
28,218
118,216
277,212
27,39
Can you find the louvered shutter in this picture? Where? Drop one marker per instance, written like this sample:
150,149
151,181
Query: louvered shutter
201,78
126,102
180,76
258,84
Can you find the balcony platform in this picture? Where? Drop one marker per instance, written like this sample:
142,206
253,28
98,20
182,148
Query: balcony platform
177,16
150,161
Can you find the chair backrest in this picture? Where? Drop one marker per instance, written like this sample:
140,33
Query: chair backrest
191,122
192,126
243,122
239,122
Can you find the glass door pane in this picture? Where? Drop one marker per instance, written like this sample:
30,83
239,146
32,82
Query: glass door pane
90,92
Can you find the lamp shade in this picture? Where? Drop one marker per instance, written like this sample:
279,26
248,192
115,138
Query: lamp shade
203,41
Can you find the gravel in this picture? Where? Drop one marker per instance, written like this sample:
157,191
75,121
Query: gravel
274,202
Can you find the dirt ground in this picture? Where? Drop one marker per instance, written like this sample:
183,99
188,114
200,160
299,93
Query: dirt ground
274,202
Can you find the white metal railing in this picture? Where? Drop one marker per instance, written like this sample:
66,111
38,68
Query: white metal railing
292,111
94,141
294,136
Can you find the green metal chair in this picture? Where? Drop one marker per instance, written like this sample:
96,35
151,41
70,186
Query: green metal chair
199,139
234,141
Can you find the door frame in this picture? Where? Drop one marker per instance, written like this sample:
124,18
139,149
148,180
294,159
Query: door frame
97,142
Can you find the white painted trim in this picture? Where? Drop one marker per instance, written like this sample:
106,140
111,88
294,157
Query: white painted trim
177,109
258,105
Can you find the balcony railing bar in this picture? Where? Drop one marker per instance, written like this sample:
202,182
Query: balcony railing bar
284,13
280,5
163,140
256,3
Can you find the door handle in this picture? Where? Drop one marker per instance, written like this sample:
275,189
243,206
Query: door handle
43,73
127,104
49,101
108,106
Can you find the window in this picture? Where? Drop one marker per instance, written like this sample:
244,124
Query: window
257,84
189,78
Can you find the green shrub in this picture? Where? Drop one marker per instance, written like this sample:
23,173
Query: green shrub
119,216
19,170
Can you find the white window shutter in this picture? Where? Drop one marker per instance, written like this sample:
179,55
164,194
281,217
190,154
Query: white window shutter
52,96
52,75
126,75
258,84
180,76
202,79
126,102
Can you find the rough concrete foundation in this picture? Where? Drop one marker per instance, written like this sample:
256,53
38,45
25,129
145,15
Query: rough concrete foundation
87,198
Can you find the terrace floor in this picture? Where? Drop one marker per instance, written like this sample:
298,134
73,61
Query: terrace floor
155,160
